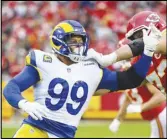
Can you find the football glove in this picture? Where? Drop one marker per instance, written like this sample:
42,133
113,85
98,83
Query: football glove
34,109
103,60
151,39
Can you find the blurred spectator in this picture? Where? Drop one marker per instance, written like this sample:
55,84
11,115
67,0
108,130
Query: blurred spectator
27,25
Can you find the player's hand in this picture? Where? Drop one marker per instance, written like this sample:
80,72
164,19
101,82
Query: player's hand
151,39
92,54
34,109
103,60
114,126
132,108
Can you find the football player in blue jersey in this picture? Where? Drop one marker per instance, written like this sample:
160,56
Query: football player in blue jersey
64,83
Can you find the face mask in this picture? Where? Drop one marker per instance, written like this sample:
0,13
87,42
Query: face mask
78,50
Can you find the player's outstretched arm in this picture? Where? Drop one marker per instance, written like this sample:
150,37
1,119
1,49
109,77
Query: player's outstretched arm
132,49
12,92
127,51
134,76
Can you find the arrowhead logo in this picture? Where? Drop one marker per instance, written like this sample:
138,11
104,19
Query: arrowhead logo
153,18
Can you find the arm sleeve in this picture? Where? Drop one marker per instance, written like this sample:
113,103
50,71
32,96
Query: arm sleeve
12,91
131,78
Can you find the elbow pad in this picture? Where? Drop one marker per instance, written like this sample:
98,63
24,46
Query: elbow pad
136,46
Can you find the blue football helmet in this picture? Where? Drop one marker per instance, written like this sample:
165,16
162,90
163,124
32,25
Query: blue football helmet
63,31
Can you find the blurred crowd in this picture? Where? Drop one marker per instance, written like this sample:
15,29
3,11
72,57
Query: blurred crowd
27,25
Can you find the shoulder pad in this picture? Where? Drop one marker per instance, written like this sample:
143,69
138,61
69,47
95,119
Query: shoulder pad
31,58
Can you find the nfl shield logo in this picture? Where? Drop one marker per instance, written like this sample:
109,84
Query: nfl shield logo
68,70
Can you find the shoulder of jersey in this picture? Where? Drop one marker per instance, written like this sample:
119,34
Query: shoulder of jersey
37,56
91,63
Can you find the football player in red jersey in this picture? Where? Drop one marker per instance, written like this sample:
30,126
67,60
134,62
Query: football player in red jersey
156,74
142,20
150,102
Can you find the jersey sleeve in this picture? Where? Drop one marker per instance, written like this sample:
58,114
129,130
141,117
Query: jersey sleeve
22,81
108,80
31,60
131,78
134,60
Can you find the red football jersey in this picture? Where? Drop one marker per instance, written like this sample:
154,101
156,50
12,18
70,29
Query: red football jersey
141,95
157,71
155,75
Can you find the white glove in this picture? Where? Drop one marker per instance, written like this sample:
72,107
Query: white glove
114,126
151,39
103,60
133,108
34,109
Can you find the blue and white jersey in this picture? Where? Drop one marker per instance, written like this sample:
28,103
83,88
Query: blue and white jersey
64,90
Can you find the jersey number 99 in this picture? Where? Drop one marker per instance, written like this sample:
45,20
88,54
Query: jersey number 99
64,93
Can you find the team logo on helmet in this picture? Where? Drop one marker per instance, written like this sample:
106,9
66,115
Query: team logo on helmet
64,31
153,18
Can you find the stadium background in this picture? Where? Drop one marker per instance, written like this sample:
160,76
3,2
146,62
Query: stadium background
27,25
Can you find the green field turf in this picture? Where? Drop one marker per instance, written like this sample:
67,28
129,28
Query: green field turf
93,129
